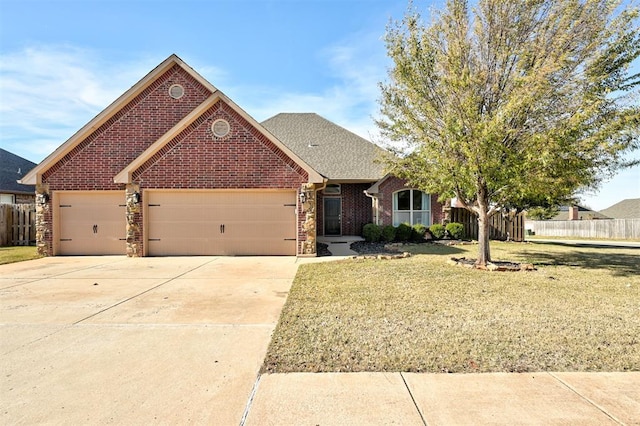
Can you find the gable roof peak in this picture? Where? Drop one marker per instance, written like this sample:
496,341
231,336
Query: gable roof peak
35,175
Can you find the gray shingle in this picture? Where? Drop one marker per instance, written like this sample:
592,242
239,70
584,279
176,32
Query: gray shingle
625,209
13,168
333,151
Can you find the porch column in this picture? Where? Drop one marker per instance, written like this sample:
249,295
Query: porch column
308,198
133,203
43,220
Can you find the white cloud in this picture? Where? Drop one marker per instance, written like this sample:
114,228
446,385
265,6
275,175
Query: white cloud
47,93
348,97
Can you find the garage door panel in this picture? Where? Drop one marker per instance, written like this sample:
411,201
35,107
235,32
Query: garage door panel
258,247
182,247
181,229
221,223
239,229
91,223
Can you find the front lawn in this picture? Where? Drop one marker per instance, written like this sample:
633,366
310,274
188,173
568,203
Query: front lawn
580,311
18,254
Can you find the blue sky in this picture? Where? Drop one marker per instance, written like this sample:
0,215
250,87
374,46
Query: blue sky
63,61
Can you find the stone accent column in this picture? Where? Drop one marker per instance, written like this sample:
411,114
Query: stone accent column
43,220
133,209
308,193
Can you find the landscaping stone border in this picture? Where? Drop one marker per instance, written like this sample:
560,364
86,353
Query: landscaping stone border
492,266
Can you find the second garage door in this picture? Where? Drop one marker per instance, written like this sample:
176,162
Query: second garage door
208,223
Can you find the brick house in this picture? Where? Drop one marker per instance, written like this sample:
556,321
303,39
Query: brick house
175,167
12,169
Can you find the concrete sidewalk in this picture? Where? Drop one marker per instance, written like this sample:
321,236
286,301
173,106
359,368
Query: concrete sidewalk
446,399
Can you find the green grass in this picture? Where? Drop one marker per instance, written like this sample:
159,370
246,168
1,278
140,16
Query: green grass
580,311
18,254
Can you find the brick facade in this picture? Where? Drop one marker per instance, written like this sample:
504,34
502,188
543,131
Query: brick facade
243,159
93,162
356,208
193,159
196,159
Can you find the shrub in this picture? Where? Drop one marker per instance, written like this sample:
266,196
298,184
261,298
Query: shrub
371,232
403,232
418,232
388,233
437,231
455,230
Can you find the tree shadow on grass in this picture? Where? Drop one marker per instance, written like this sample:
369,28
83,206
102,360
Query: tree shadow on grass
621,264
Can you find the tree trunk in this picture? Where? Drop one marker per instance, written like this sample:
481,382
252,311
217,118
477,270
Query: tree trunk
484,252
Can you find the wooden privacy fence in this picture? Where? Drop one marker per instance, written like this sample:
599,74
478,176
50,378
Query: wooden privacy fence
624,229
17,224
503,228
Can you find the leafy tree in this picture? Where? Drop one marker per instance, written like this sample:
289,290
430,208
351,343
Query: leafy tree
542,213
512,101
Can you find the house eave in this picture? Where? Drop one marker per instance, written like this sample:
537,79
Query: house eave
352,180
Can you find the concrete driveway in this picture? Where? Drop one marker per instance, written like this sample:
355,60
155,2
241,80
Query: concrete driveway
95,340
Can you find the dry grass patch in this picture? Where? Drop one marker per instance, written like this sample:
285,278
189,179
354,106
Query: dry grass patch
580,311
18,254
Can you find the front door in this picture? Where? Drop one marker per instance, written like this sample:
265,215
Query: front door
332,216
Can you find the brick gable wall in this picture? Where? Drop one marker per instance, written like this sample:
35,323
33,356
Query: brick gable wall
243,159
93,163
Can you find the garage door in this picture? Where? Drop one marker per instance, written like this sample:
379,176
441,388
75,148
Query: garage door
186,223
91,223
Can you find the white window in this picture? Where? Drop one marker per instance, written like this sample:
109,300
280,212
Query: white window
7,199
411,206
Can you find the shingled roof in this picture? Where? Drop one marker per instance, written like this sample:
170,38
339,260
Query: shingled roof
333,151
12,168
625,209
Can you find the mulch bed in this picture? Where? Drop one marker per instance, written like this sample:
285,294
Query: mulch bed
322,250
365,248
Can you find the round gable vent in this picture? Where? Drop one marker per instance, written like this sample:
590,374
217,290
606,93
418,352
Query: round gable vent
220,128
176,91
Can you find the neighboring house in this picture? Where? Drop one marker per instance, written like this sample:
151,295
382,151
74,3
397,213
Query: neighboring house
625,209
576,212
175,167
12,169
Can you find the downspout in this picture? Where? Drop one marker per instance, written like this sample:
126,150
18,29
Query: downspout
324,185
376,209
